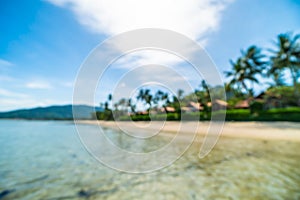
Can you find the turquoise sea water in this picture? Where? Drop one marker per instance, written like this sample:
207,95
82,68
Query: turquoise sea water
45,160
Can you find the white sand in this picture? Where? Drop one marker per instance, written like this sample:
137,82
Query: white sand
257,130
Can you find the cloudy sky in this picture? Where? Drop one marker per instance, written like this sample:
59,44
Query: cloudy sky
43,43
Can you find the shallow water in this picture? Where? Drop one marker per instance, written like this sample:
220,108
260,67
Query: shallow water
45,160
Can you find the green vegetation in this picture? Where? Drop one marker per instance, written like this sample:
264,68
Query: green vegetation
279,102
276,114
246,68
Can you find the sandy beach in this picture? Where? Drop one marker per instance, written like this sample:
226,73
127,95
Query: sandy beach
287,131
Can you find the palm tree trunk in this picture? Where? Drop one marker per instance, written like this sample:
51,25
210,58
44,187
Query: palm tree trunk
165,108
245,87
294,77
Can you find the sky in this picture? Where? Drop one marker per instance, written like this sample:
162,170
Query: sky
44,43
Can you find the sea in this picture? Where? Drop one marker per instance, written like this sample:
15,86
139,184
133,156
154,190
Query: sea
47,160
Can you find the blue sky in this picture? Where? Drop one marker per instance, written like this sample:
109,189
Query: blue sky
43,43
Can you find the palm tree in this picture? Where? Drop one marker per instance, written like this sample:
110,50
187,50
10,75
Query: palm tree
180,94
203,95
109,100
122,103
238,75
148,98
106,105
131,106
277,76
205,90
144,95
286,56
162,97
246,68
233,92
140,96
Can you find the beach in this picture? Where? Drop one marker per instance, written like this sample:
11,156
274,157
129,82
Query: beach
285,131
251,160
46,160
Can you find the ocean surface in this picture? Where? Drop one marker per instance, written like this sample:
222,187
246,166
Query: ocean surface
46,160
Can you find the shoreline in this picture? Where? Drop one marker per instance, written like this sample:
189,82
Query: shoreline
286,131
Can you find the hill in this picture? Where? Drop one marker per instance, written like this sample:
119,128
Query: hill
64,112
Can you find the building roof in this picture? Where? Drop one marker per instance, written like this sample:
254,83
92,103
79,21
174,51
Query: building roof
221,102
195,105
242,104
218,102
168,108
185,108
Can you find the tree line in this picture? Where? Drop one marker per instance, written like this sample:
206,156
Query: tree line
250,68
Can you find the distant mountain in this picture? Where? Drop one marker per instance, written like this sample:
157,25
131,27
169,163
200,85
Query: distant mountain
52,112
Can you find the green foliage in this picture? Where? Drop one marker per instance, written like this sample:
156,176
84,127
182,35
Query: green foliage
284,94
159,117
233,101
235,115
105,115
146,96
245,71
287,110
256,107
280,114
285,57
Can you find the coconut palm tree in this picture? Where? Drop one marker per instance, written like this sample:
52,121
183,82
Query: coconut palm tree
106,105
145,95
253,58
140,96
148,98
205,89
180,94
122,104
286,56
131,106
161,97
109,101
246,68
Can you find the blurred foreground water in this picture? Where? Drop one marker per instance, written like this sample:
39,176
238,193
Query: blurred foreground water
45,160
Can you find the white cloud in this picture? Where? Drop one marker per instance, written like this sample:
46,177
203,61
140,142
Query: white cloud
146,57
38,85
194,18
